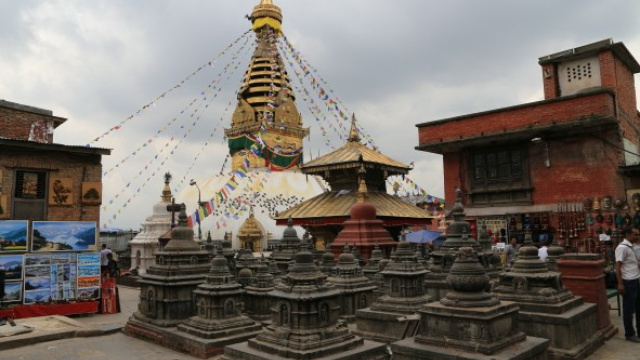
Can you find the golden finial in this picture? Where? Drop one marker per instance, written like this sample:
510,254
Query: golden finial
362,185
266,14
353,133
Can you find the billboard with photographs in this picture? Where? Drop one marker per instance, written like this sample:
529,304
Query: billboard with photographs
48,236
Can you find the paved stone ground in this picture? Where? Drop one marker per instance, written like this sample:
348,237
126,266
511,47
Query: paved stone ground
97,337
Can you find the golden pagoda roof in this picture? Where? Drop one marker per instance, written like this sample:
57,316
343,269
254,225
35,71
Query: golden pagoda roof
337,204
352,155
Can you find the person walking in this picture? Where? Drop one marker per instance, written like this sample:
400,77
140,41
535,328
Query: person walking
628,274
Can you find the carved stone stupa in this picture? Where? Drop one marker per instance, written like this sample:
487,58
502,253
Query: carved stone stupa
218,321
305,322
166,298
287,247
469,323
547,308
393,316
444,256
257,304
356,290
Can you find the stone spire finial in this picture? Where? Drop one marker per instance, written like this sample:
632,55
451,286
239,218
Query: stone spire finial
182,235
468,281
458,209
528,260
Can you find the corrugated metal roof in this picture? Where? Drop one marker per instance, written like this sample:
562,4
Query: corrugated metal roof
336,204
351,155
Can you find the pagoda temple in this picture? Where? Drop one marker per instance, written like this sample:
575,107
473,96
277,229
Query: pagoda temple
325,214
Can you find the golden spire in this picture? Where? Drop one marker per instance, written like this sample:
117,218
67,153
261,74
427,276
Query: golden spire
353,133
266,14
362,185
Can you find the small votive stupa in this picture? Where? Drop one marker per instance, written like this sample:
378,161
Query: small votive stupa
393,316
288,246
257,304
469,323
145,243
443,257
547,308
218,321
166,298
356,291
305,322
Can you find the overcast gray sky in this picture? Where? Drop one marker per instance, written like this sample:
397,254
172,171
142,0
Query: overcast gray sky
394,63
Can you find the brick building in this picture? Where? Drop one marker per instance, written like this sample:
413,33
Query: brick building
543,165
41,180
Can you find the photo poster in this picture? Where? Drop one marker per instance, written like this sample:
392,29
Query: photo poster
37,278
50,236
88,276
13,265
13,235
63,276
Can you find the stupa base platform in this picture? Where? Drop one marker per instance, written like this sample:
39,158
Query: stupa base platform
385,327
177,340
368,350
573,334
529,349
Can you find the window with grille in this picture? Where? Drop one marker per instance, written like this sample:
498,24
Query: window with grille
499,176
30,185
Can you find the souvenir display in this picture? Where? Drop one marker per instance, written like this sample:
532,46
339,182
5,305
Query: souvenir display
606,203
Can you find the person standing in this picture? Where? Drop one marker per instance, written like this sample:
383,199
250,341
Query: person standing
542,251
512,251
104,261
628,274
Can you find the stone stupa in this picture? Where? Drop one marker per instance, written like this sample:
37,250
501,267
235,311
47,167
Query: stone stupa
166,298
469,323
442,258
356,290
547,308
393,315
218,321
145,243
305,322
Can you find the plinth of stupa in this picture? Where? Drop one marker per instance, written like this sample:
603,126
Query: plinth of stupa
469,323
547,308
305,322
393,315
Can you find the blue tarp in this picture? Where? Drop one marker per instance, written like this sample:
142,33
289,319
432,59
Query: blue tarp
423,236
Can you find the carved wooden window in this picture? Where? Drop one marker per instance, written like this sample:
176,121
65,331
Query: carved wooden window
30,191
499,175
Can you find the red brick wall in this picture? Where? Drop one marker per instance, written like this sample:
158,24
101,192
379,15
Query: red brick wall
15,124
550,81
537,114
61,165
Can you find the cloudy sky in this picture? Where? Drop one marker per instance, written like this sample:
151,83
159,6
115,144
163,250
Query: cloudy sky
394,63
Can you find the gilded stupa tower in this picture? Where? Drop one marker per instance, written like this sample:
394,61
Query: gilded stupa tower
266,128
